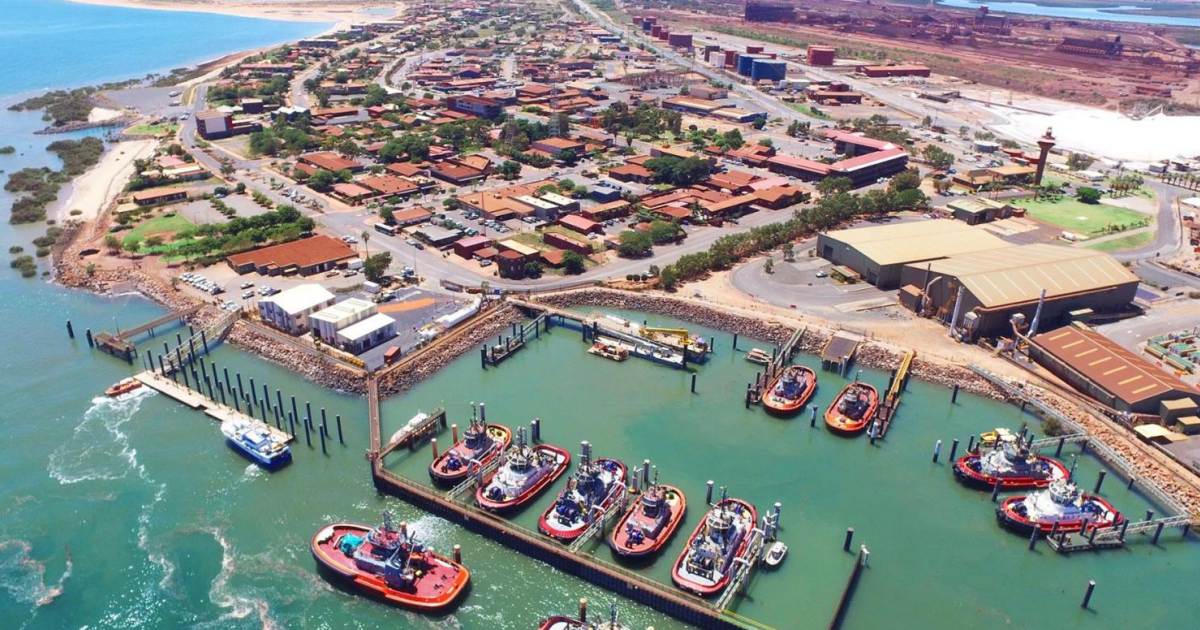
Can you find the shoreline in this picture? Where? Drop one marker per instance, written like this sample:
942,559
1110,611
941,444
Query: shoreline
342,13
100,185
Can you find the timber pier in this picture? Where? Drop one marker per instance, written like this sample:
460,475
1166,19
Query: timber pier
891,400
449,505
596,328
120,342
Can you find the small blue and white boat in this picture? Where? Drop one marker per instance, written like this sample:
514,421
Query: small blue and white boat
254,441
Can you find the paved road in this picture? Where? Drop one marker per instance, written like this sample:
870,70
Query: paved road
1168,232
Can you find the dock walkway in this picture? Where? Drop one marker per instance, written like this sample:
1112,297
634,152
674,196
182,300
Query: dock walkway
218,412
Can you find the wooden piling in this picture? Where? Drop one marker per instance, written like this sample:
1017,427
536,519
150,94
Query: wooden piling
70,330
338,420
693,382
848,539
1087,596
953,449
1099,482
937,450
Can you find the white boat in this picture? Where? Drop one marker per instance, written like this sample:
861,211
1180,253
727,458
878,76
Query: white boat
775,554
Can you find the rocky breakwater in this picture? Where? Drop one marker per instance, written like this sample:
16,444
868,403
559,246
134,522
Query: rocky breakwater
881,357
756,328
308,362
426,361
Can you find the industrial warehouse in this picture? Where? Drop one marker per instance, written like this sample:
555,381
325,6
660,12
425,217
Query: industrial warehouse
979,293
879,253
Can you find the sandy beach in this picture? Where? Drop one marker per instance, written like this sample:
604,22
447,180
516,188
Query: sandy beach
343,13
92,191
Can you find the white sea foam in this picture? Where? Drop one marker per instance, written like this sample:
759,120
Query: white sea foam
238,605
98,449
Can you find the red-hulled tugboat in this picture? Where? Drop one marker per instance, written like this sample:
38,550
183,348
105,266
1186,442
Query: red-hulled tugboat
706,566
481,444
592,490
123,386
853,409
650,522
524,473
1060,507
387,562
563,622
1010,462
790,391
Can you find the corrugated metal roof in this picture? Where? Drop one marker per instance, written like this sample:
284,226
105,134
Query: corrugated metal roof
913,241
1113,368
1018,273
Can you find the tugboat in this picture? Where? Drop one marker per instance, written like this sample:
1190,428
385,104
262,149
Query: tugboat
790,391
609,350
563,622
649,523
853,409
123,386
594,488
1060,507
706,565
388,563
481,444
1010,462
524,473
759,356
256,443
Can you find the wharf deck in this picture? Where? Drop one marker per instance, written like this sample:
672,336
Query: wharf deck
839,352
218,412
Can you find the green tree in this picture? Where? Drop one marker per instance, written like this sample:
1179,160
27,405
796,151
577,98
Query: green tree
909,179
388,215
375,267
634,244
573,263
568,157
1087,194
322,180
731,139
509,169
937,157
668,278
112,243
833,185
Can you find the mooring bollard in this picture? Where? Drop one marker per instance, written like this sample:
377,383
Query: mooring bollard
953,450
848,539
693,383
708,492
338,419
812,417
1087,597
937,450
433,447
1099,482
454,432
458,554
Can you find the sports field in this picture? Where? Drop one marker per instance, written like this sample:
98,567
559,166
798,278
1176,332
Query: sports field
1081,218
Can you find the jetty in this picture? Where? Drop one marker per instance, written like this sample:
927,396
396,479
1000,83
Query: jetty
505,347
595,328
891,400
120,342
682,606
216,411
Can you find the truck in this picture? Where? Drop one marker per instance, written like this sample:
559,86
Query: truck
370,287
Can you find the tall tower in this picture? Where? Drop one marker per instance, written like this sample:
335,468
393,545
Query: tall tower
1045,143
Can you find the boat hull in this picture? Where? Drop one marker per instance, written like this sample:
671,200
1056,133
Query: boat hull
267,463
842,424
440,589
618,539
567,535
530,492
789,406
560,622
708,590
980,480
440,474
1011,519
122,388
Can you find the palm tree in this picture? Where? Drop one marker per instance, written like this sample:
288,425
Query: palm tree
366,238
